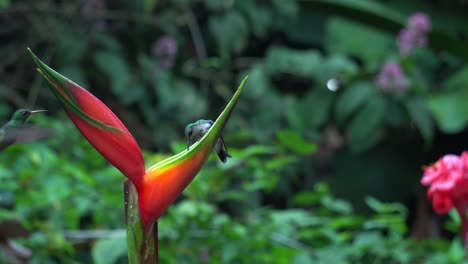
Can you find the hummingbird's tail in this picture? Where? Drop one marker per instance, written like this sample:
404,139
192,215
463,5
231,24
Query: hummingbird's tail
223,155
221,149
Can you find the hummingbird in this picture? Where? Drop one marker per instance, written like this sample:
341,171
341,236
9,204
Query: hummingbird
195,131
16,131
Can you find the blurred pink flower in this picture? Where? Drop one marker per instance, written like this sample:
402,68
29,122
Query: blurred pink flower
92,10
165,49
391,77
448,182
415,33
419,22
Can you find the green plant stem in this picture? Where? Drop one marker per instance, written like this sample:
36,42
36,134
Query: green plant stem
461,209
142,244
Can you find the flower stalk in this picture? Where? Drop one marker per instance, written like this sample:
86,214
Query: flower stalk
142,246
460,206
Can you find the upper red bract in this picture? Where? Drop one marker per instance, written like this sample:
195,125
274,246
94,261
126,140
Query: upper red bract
119,148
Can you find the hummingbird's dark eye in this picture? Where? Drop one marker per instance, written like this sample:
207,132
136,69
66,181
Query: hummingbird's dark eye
25,113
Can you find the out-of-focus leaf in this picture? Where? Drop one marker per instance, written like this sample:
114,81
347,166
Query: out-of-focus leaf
230,31
316,107
374,14
450,110
458,80
339,40
301,63
306,27
351,99
218,5
109,250
259,81
364,130
421,117
116,69
260,16
4,3
385,208
287,8
295,142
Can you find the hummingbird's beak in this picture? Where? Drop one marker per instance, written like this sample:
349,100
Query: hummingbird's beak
37,111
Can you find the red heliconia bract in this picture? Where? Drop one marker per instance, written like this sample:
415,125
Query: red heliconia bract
158,186
118,147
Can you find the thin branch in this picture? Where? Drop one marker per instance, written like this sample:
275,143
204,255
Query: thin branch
195,32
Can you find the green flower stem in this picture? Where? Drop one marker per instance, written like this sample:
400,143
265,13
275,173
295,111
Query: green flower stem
142,244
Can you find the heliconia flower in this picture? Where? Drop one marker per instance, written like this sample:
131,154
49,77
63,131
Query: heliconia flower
158,186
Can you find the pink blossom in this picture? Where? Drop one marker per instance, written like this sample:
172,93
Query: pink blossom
415,33
165,49
92,10
448,182
391,77
419,22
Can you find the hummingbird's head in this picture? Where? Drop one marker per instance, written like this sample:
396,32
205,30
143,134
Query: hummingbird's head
22,115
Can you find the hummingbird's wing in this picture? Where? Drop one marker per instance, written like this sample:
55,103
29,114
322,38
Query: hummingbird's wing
23,134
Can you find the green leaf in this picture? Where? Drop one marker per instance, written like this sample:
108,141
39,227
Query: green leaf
306,27
339,40
364,130
316,107
421,117
385,208
115,67
260,16
305,64
258,79
458,80
230,31
372,14
4,3
109,250
450,111
294,141
351,99
287,8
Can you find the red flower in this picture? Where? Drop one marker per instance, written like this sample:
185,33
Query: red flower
158,186
448,182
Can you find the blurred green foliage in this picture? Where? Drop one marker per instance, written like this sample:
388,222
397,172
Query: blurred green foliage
162,64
